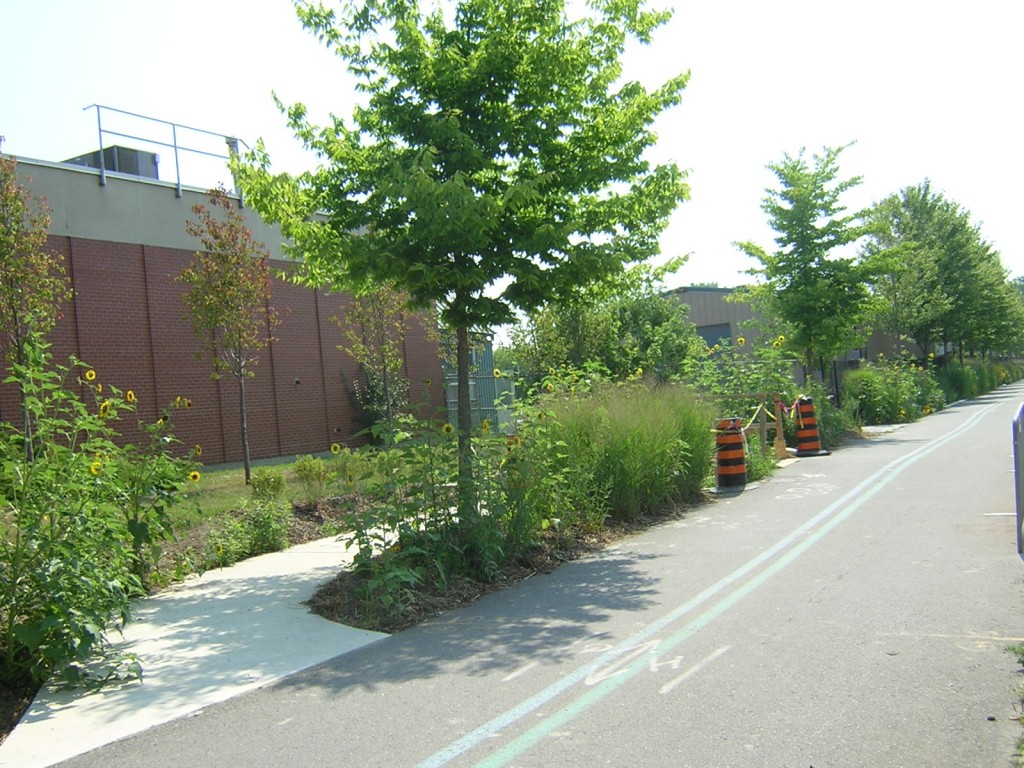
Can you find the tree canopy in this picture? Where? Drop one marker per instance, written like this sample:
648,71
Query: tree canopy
625,325
820,296
33,283
937,280
498,146
497,162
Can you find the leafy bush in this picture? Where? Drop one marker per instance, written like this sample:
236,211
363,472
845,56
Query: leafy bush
267,484
225,544
835,423
259,527
314,474
891,392
265,526
976,377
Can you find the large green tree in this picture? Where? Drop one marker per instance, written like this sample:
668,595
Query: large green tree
820,295
498,160
933,270
33,283
228,296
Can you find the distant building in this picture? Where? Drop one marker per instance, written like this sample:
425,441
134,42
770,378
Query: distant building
716,319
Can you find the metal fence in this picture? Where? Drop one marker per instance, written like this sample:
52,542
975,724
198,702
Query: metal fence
1018,476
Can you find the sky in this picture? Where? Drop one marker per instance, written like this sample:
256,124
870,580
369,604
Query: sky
925,89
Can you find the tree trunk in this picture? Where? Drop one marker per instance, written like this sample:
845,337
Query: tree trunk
245,426
467,493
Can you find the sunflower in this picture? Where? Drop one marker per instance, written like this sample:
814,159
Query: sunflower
485,426
96,467
198,450
90,375
194,476
447,428
104,409
129,396
335,449
497,373
740,341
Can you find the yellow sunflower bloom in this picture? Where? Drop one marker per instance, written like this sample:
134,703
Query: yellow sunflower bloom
194,476
90,375
96,467
447,428
740,341
104,409
198,450
335,449
129,396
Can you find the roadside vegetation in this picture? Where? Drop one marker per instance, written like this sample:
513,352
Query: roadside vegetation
617,393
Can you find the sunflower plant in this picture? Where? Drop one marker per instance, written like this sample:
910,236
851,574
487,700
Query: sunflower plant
71,536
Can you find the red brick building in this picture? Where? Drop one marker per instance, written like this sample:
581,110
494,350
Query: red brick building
124,243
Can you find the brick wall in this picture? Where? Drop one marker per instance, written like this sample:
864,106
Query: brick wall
126,321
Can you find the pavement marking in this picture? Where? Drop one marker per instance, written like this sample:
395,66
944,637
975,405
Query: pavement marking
788,548
694,669
521,671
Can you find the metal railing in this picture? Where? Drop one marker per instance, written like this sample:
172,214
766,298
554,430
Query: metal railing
1018,476
232,142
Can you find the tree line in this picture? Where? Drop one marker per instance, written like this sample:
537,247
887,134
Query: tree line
913,265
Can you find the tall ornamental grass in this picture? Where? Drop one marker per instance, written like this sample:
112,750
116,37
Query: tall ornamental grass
649,446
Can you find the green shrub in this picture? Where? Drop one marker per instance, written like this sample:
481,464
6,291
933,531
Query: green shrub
891,392
255,529
265,526
353,471
759,464
225,545
313,473
267,484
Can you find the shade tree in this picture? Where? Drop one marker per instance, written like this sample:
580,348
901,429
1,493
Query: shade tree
497,161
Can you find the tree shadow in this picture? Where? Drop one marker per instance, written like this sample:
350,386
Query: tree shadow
541,620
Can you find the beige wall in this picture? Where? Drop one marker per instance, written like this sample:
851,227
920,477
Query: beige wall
128,209
709,308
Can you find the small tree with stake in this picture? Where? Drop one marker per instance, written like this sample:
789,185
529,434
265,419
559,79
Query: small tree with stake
498,162
228,297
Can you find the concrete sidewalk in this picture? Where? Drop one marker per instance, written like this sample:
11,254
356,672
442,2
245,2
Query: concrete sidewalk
200,642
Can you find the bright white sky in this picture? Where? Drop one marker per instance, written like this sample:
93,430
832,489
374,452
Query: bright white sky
927,89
